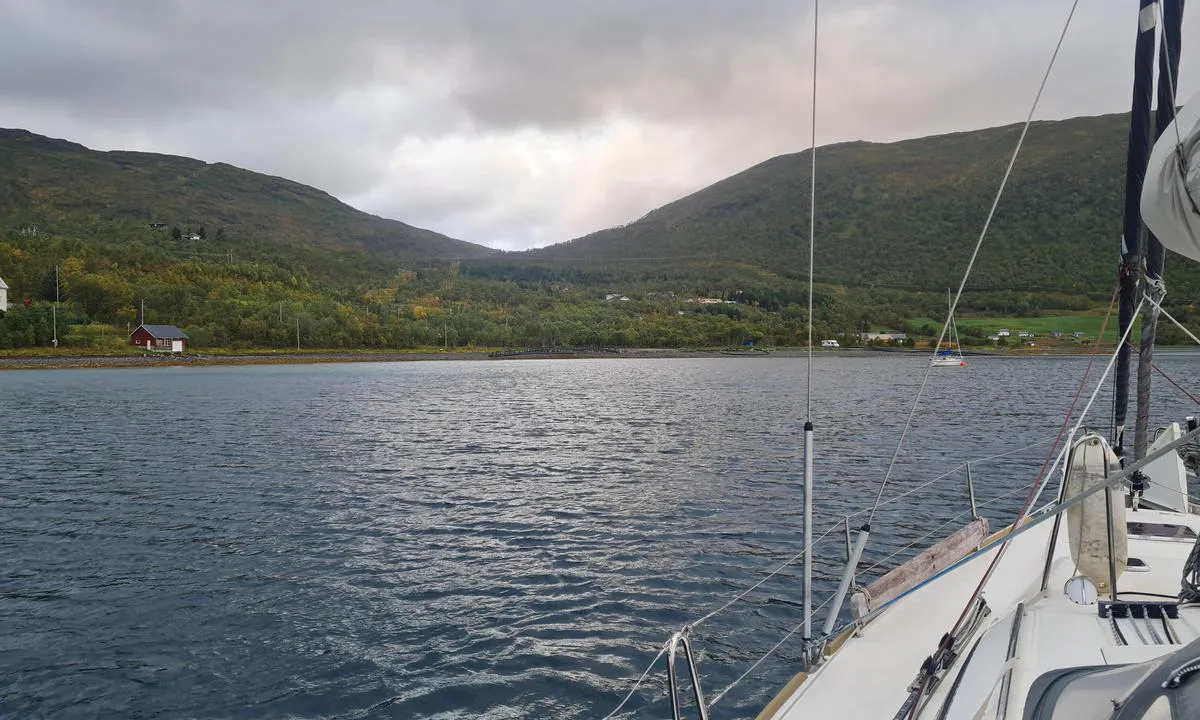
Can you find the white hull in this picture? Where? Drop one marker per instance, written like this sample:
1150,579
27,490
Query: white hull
948,361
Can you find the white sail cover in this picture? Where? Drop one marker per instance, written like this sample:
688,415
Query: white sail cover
1171,193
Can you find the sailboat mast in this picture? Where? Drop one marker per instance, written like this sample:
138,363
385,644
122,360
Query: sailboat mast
1131,236
1168,71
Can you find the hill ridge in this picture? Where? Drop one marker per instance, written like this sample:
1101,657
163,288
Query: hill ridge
908,212
62,185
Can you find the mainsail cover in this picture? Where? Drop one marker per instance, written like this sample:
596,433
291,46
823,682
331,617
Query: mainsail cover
1171,193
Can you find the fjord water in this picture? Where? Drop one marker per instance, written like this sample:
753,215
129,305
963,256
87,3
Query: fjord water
503,539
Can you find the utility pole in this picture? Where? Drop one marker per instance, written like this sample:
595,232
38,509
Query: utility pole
280,312
297,332
143,320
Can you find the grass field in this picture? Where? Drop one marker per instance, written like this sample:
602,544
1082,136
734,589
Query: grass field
1087,323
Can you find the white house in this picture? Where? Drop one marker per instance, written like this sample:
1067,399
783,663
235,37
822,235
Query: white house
3,295
1003,332
884,337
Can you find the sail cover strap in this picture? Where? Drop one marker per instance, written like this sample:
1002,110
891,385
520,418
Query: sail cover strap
1172,188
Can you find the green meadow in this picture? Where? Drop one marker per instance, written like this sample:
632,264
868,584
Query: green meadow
1088,323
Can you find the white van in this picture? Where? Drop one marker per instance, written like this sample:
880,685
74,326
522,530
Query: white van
829,344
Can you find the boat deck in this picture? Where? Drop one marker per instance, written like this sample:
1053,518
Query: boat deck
869,674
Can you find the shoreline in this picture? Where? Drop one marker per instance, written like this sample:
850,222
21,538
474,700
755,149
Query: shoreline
55,362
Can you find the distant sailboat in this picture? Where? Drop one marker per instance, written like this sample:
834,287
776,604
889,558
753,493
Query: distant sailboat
952,355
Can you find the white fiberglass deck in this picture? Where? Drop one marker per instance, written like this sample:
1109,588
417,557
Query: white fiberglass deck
869,675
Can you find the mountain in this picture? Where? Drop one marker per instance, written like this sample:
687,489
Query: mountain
63,187
907,215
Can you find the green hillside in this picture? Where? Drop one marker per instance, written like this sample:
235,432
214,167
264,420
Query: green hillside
61,187
895,225
906,215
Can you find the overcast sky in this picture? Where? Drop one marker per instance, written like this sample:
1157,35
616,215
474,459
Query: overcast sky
520,123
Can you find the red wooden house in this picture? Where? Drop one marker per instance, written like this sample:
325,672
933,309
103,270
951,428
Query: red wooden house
160,338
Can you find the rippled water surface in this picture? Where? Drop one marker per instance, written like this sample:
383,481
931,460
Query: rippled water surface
506,539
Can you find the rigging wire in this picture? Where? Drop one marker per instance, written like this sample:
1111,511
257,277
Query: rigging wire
770,575
812,215
1040,484
1045,475
637,684
779,568
716,698
974,254
934,533
1171,317
1169,77
797,556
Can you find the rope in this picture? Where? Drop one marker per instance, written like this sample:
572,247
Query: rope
1177,386
812,216
637,684
974,254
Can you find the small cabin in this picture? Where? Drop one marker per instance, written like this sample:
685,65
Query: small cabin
830,344
159,338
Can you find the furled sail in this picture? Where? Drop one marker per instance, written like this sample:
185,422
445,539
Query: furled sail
1171,193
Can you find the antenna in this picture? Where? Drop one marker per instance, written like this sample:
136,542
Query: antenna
810,654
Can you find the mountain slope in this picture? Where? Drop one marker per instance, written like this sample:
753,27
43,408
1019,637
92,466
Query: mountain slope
907,214
61,186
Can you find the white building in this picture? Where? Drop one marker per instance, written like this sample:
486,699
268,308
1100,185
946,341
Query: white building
3,295
884,337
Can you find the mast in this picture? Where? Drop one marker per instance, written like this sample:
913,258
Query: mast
54,312
1131,236
1168,71
953,325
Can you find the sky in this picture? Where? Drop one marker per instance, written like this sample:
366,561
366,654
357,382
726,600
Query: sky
522,123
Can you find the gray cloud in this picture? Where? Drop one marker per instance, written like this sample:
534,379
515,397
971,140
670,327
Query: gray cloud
521,122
